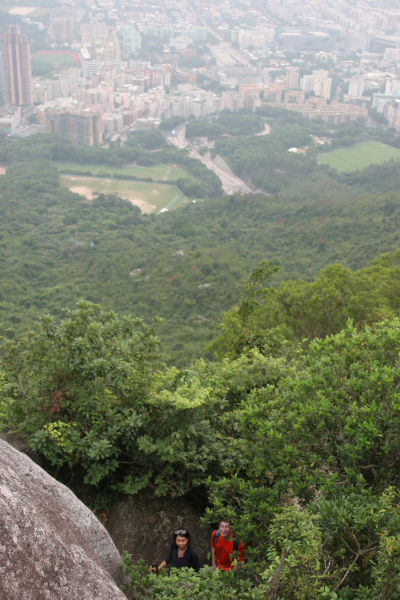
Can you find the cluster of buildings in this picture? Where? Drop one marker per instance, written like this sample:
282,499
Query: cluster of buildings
138,63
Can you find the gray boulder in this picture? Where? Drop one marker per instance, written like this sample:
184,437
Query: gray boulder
52,547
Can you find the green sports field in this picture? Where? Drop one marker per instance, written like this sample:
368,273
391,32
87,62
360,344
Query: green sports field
359,156
149,197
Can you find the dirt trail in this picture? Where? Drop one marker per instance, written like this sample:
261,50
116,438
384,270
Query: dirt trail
144,206
83,191
265,131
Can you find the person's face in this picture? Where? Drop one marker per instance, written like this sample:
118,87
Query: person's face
181,542
225,529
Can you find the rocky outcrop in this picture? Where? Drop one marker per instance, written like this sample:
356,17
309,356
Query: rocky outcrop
19,442
52,547
143,525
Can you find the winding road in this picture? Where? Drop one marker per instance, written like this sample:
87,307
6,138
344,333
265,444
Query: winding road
231,183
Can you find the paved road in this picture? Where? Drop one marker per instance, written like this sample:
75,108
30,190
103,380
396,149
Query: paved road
231,183
178,138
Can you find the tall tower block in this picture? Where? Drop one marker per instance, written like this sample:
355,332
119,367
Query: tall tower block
16,66
293,78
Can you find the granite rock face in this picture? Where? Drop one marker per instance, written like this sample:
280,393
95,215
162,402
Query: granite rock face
52,547
144,525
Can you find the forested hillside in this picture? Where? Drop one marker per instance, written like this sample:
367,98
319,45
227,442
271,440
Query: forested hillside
270,391
186,266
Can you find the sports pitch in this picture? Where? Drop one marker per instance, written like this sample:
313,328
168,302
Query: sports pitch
359,156
149,197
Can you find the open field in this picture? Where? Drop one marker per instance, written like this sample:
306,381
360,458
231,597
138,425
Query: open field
149,197
28,8
22,11
359,156
160,172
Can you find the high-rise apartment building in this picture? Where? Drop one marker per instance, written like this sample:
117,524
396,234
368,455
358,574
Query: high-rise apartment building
131,40
322,84
292,78
319,83
84,128
62,29
356,86
16,66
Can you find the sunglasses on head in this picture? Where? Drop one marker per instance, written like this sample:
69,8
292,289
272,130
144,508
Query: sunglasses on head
181,532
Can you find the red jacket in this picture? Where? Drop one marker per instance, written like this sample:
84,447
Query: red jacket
224,549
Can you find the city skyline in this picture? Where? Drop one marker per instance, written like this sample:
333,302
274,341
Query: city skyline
137,64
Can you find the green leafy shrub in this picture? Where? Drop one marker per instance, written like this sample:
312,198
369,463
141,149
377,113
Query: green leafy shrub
180,584
78,387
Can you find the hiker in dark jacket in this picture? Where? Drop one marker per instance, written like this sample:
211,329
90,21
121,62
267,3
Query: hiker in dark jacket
181,554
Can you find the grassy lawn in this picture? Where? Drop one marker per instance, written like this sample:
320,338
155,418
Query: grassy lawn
150,197
359,156
160,172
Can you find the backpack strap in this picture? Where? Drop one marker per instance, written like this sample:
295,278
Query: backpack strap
216,535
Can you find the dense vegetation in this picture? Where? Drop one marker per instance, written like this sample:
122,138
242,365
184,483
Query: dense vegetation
289,425
299,448
264,162
187,266
226,123
297,310
144,148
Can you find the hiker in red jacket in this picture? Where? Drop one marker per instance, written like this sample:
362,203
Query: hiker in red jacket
223,546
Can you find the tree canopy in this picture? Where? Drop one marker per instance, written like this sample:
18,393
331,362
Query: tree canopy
288,424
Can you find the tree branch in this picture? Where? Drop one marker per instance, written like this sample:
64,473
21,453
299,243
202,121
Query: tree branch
357,556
